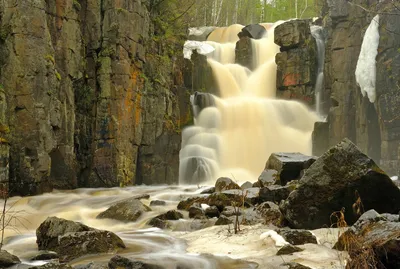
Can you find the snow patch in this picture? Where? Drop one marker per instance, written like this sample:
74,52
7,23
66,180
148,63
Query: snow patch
366,65
200,47
279,240
395,178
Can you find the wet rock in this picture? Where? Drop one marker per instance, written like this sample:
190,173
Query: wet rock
244,53
45,255
267,178
208,190
141,196
320,143
159,223
170,215
298,237
127,210
246,185
288,249
373,243
223,220
289,166
224,183
7,259
274,193
343,177
196,212
186,204
292,34
157,203
52,228
71,240
254,31
119,262
295,265
73,245
212,212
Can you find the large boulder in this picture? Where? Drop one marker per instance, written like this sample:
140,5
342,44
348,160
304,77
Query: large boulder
289,166
244,53
267,178
127,210
274,193
7,259
343,177
71,239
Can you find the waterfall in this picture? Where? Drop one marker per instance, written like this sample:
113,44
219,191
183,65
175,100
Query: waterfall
234,134
318,33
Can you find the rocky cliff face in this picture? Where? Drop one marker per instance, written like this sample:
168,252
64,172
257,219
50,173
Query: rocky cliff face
374,127
90,95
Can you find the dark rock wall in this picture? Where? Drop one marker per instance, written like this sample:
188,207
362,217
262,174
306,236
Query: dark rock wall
374,127
91,95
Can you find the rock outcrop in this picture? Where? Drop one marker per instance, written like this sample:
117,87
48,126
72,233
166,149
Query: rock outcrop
297,61
90,95
343,177
373,127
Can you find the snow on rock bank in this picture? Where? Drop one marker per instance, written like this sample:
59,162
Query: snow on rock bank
366,65
200,47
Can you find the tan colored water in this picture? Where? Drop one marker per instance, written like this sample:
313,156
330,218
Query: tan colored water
143,242
251,123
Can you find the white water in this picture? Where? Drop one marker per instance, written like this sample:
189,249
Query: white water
318,34
143,242
247,124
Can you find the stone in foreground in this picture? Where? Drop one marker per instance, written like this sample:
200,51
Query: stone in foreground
343,177
7,259
72,240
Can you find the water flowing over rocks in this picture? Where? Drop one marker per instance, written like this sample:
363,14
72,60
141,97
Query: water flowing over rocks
119,262
341,178
71,239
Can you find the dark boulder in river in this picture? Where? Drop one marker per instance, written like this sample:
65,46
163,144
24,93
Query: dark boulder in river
255,31
343,177
72,240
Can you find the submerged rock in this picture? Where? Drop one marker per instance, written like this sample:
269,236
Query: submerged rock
71,240
159,223
127,210
343,177
7,259
289,166
119,262
45,255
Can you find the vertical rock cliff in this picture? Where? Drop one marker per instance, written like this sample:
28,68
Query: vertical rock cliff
374,127
91,94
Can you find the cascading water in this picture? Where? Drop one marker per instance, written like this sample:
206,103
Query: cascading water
319,35
236,134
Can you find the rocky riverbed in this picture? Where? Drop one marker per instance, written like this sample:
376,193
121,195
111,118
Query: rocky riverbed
335,211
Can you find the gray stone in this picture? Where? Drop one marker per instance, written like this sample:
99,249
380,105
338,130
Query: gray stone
7,259
127,210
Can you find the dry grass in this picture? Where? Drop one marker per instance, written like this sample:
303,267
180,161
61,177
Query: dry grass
361,256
